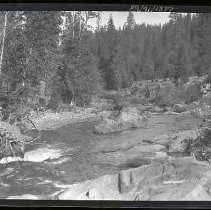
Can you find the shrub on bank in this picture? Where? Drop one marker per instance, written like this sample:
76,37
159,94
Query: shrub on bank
180,94
191,94
118,102
200,148
100,104
166,97
54,101
206,100
11,140
128,118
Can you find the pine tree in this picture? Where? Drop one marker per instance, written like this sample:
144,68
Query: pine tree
12,41
108,57
204,43
80,65
183,65
42,31
50,60
130,24
148,66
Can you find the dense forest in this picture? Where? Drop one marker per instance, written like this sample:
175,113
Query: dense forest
40,59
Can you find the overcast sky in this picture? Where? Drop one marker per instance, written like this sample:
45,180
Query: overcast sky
140,17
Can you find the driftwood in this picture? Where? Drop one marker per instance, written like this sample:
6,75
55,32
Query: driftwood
12,141
10,145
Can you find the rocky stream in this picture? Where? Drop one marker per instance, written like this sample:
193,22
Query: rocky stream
73,162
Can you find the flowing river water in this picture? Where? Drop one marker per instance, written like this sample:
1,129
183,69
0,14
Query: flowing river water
84,155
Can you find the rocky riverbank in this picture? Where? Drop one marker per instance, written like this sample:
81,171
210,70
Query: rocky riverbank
50,120
74,154
162,177
166,179
152,162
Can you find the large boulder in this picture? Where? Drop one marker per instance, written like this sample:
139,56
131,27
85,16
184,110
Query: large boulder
170,179
128,118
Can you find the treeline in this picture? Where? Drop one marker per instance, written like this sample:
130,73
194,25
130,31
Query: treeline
40,58
178,49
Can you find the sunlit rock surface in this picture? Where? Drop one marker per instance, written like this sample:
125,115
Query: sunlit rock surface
37,155
167,179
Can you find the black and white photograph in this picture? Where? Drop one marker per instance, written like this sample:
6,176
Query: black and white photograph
105,105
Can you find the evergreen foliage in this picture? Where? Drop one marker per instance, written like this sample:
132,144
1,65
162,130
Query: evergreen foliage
74,63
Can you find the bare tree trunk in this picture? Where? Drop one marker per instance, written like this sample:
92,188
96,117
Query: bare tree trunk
73,23
42,88
3,38
80,24
43,81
